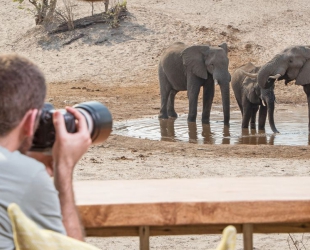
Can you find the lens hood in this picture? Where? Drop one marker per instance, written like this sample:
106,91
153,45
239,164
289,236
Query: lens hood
99,120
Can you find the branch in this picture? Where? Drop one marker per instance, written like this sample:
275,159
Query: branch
293,241
74,39
34,2
288,242
61,15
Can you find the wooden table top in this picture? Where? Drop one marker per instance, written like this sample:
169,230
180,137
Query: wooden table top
193,201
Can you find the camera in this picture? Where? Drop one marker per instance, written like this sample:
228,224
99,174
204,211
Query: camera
98,118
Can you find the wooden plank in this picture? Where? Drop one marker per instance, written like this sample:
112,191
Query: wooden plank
144,236
194,201
192,190
112,231
194,213
158,231
247,236
196,229
282,228
190,229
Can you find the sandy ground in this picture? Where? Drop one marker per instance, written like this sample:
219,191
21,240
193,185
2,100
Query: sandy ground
118,68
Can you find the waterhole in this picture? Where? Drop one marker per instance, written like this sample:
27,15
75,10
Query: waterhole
291,122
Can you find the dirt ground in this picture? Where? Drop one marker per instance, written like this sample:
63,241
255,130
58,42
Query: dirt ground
119,68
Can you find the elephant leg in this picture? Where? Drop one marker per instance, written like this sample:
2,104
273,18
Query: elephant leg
171,111
247,112
253,116
240,107
262,117
208,94
307,91
193,88
165,88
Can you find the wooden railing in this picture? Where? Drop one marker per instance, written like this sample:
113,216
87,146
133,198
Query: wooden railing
147,208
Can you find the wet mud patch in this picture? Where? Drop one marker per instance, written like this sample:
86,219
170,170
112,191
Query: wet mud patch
292,122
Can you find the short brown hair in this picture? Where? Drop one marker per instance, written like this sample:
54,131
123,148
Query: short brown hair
22,87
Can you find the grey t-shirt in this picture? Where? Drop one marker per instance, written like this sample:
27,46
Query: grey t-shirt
24,181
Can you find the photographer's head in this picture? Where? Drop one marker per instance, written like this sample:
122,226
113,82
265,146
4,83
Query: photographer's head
22,94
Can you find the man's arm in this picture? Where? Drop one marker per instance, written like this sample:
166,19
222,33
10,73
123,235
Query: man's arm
70,216
67,150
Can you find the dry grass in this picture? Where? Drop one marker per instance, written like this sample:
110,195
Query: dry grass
66,14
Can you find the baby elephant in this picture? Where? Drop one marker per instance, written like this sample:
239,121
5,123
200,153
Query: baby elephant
251,97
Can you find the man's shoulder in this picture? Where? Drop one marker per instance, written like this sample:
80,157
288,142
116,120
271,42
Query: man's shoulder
15,162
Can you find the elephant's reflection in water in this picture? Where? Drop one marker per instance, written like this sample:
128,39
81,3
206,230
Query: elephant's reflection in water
247,136
208,136
252,137
167,129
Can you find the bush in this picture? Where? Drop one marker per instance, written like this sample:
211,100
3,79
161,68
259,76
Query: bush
43,9
114,13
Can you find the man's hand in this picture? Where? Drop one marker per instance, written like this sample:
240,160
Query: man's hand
69,147
67,150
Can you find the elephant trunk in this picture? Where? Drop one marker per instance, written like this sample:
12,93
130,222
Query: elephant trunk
270,108
225,102
270,72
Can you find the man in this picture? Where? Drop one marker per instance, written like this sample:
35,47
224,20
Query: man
24,180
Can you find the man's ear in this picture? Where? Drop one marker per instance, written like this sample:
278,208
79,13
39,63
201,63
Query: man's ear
29,122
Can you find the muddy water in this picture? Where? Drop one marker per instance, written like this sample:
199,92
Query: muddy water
292,122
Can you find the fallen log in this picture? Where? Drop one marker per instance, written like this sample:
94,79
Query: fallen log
84,22
74,39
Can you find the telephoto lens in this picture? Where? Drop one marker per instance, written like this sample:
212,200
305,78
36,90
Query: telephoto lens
98,118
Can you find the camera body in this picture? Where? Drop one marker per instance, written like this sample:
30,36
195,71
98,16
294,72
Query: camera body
98,118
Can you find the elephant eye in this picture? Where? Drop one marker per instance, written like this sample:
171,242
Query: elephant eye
291,60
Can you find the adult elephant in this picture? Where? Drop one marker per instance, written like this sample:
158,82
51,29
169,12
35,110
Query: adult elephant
293,63
251,98
190,68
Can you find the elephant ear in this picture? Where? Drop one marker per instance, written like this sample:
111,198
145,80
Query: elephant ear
251,94
194,60
307,51
224,47
303,77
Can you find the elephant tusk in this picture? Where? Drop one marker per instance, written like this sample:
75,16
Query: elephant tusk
264,103
216,82
249,74
275,76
